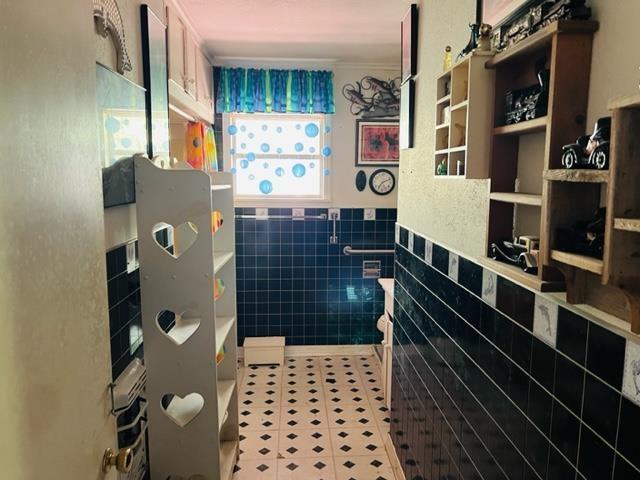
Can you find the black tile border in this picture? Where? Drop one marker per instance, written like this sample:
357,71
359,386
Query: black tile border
573,330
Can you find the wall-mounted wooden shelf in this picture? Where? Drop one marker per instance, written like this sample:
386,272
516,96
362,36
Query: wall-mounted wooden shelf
523,128
578,176
582,262
542,39
531,199
463,139
518,275
627,224
566,47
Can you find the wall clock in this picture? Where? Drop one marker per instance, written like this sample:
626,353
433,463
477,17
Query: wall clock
382,182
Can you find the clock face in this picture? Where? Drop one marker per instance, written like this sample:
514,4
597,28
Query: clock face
382,182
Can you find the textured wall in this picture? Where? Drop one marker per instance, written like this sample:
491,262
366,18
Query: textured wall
454,211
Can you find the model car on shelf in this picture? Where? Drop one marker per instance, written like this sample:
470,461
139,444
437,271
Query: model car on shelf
522,252
590,152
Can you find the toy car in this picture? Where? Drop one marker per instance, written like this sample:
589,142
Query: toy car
590,151
516,254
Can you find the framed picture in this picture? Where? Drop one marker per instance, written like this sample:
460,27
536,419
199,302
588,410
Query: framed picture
407,102
410,43
377,143
154,63
497,12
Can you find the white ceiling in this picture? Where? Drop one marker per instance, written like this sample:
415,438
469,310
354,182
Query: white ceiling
347,31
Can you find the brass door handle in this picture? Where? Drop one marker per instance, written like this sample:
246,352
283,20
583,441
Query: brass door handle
123,460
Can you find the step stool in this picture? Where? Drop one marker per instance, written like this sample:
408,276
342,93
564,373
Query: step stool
263,351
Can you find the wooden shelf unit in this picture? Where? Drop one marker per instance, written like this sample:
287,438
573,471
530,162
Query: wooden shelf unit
192,395
566,47
622,239
465,136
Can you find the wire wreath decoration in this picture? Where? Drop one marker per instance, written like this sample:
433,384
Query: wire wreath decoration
373,98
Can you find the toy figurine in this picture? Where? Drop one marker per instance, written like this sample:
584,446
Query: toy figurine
590,151
448,60
442,168
521,252
473,41
585,237
484,38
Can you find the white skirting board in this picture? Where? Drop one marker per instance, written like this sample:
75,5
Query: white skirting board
322,350
393,457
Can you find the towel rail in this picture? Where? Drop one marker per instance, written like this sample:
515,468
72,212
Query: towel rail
348,250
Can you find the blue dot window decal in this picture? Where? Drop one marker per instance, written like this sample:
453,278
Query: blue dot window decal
251,156
312,165
232,151
243,146
265,147
265,165
298,170
312,149
243,128
279,129
112,125
265,127
326,172
251,135
252,177
311,130
232,129
244,163
279,150
266,187
233,170
280,171
327,129
326,151
299,147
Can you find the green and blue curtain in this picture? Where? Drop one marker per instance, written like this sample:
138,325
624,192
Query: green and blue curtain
251,90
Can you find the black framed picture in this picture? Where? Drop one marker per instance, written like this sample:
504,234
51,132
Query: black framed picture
377,143
154,64
410,43
407,102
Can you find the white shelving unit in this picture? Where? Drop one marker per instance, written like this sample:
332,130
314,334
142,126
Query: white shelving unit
192,399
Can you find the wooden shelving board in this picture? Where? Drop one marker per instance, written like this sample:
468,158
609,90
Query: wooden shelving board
459,106
523,128
627,224
445,99
630,101
541,39
226,389
582,262
578,176
517,274
531,199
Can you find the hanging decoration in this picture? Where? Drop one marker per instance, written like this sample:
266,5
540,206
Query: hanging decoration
374,98
109,22
250,90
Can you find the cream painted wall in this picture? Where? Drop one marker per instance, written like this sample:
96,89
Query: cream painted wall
454,212
343,138
54,346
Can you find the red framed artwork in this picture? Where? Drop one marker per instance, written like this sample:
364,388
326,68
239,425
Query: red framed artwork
377,143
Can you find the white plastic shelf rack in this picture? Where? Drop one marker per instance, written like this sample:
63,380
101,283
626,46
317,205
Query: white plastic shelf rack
192,395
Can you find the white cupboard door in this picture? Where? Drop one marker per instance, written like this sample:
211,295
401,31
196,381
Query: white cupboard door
176,48
191,54
204,80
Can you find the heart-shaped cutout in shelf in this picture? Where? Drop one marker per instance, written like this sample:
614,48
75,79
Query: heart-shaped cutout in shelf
177,327
217,219
182,410
175,241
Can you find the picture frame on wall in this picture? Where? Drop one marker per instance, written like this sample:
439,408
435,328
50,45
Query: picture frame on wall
377,143
407,106
497,12
409,28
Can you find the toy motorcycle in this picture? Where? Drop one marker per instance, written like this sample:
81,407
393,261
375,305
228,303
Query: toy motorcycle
590,151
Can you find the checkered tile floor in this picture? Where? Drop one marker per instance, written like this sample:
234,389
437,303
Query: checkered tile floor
315,418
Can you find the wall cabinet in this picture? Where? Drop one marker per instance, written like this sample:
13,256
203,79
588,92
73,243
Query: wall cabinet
190,74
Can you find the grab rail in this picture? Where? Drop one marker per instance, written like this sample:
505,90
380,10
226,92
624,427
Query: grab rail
322,216
348,250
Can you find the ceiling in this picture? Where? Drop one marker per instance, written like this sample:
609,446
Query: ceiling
344,31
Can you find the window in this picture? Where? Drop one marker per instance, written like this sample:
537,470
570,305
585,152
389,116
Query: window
279,156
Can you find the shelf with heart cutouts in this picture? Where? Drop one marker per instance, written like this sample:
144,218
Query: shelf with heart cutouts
188,278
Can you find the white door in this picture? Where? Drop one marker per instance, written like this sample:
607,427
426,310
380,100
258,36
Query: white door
54,337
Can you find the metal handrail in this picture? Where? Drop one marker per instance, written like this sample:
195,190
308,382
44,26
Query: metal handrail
322,216
348,250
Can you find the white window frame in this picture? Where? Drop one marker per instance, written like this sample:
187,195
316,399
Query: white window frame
276,200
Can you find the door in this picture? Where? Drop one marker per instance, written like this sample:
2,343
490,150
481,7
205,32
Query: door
54,344
191,54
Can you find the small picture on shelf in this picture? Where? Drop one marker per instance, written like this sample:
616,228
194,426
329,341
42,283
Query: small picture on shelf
442,167
446,115
377,143
410,43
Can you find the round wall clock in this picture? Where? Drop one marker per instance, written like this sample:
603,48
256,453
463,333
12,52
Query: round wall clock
382,182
